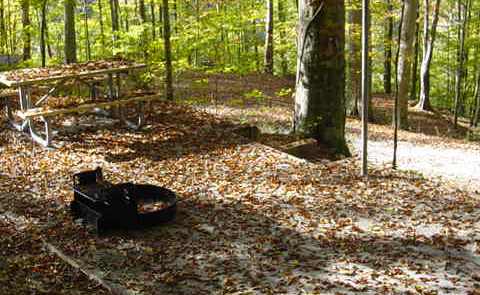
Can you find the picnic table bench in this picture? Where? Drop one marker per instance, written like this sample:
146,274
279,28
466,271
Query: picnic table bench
30,108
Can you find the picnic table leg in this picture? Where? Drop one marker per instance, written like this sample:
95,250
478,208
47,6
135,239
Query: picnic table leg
45,141
140,120
25,93
19,125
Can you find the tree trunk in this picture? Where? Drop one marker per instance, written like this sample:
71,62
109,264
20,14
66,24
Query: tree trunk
43,28
281,20
476,103
115,21
414,77
428,42
388,41
70,40
320,94
127,17
154,24
405,61
143,17
102,28
3,31
355,61
460,60
87,35
168,53
26,30
268,57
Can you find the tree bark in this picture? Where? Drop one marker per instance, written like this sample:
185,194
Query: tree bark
3,31
460,60
320,94
414,76
70,39
405,61
115,20
26,30
428,43
154,24
102,28
476,103
43,28
168,53
88,50
143,17
268,57
355,62
281,20
388,41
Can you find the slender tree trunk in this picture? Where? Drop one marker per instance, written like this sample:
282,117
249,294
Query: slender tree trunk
70,39
154,24
395,107
26,30
413,84
405,61
355,61
175,17
475,100
460,60
320,94
115,21
476,103
168,53
160,19
43,16
143,17
281,20
428,43
268,57
102,28
87,34
388,41
127,24
3,31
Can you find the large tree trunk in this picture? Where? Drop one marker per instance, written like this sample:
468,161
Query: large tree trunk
26,30
405,61
268,58
320,93
70,41
428,42
168,52
388,41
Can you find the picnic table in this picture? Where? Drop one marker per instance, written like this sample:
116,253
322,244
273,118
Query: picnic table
105,74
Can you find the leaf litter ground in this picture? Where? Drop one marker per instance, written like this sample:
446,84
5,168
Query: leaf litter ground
251,219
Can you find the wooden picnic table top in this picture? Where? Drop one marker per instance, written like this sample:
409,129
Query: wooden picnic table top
33,76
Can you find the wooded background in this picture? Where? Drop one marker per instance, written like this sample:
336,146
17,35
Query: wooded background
437,66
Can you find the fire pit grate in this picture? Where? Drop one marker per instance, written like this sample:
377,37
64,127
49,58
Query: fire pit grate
106,206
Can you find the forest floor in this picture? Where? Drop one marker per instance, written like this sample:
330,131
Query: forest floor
252,219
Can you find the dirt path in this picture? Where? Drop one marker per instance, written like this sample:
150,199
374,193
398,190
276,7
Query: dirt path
459,165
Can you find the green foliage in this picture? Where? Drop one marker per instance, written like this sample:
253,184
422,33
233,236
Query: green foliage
284,92
256,94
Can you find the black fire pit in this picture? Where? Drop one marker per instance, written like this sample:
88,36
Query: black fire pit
106,206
